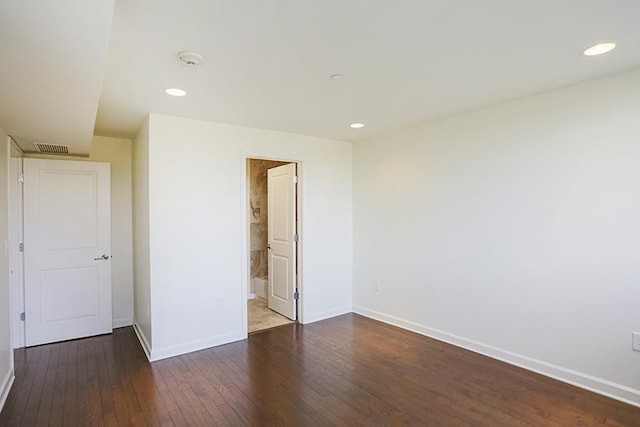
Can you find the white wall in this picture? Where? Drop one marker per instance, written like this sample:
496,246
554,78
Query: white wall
6,349
513,230
142,280
117,152
198,228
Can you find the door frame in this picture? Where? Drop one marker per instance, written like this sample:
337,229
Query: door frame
38,258
246,235
16,257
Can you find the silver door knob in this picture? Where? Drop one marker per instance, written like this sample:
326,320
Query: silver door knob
269,246
104,257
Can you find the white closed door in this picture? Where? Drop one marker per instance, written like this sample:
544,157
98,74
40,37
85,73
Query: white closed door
281,229
67,250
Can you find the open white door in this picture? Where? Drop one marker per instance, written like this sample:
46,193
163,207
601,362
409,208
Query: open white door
67,246
281,207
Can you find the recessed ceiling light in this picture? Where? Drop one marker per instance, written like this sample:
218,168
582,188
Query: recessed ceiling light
336,76
599,49
175,92
356,125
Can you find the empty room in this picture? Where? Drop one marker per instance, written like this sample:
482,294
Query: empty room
276,212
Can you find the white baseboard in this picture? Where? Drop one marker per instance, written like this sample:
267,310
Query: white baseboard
5,387
122,322
143,340
178,350
597,385
316,317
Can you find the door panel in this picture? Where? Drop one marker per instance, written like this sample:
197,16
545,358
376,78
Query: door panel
281,283
57,285
67,226
64,228
281,219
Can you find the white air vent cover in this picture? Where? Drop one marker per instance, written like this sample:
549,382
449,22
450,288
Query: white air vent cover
51,148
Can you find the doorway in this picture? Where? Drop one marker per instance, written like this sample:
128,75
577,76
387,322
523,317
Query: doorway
273,217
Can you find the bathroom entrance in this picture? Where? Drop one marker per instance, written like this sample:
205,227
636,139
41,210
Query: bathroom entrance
273,244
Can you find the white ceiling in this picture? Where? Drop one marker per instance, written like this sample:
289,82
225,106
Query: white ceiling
267,62
52,58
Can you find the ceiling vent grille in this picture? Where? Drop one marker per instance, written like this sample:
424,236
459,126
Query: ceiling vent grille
51,148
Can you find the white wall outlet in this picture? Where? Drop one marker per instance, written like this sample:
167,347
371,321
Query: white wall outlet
377,285
635,341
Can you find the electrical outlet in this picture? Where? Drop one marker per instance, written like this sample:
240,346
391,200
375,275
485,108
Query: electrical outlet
635,341
377,285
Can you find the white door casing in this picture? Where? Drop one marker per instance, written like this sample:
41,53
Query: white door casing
16,263
66,231
281,229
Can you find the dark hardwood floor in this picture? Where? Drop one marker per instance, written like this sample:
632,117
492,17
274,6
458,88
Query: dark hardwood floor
348,370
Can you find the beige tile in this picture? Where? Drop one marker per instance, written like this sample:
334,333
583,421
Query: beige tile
261,317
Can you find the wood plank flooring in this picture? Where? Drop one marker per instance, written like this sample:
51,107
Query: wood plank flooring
345,371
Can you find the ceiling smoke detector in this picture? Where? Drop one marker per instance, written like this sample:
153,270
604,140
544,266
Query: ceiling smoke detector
190,58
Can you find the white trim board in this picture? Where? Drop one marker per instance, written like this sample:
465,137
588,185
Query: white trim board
164,353
122,322
5,387
143,340
597,385
316,317
181,349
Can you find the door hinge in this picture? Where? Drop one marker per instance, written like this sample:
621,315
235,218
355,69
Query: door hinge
296,237
295,179
20,177
296,295
22,316
21,247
